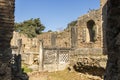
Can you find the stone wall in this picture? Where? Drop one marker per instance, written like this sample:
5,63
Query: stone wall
56,58
29,45
90,30
63,39
56,39
6,29
113,40
78,36
90,57
46,37
87,38
86,34
61,58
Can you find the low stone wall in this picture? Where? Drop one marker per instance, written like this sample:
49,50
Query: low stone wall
56,58
89,57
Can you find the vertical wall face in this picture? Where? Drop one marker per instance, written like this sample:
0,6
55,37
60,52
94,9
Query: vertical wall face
6,28
89,30
113,40
102,3
113,25
6,25
103,8
73,37
53,40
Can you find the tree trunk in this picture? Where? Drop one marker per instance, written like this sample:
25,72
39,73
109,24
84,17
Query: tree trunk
6,31
113,40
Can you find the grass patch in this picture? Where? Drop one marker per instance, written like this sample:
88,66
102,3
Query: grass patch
26,69
66,75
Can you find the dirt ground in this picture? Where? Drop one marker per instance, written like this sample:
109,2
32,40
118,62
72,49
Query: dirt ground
62,75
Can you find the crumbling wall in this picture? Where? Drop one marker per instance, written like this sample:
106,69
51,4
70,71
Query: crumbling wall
79,36
29,45
83,38
86,37
63,39
46,37
88,57
56,58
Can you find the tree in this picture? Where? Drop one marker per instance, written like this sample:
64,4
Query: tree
30,27
49,30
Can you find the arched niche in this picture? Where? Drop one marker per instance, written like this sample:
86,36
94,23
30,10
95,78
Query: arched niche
91,28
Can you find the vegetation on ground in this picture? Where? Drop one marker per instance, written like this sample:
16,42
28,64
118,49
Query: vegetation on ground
26,69
64,75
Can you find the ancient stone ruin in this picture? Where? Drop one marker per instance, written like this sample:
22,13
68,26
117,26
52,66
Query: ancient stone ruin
83,43
95,33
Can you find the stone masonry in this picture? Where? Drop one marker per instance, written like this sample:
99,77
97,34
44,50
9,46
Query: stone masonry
10,65
87,33
113,40
6,29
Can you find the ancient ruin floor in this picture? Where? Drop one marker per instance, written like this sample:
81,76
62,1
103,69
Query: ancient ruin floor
63,75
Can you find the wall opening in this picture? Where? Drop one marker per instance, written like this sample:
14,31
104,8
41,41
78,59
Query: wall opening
91,30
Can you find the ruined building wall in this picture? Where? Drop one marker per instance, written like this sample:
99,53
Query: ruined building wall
29,45
46,37
103,9
56,39
63,39
86,34
77,36
89,30
85,39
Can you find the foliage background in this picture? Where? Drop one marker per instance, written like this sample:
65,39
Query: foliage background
31,27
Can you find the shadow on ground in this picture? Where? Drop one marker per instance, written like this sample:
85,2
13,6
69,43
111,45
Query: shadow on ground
92,70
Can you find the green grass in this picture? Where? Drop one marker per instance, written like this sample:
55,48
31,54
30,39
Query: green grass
26,69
